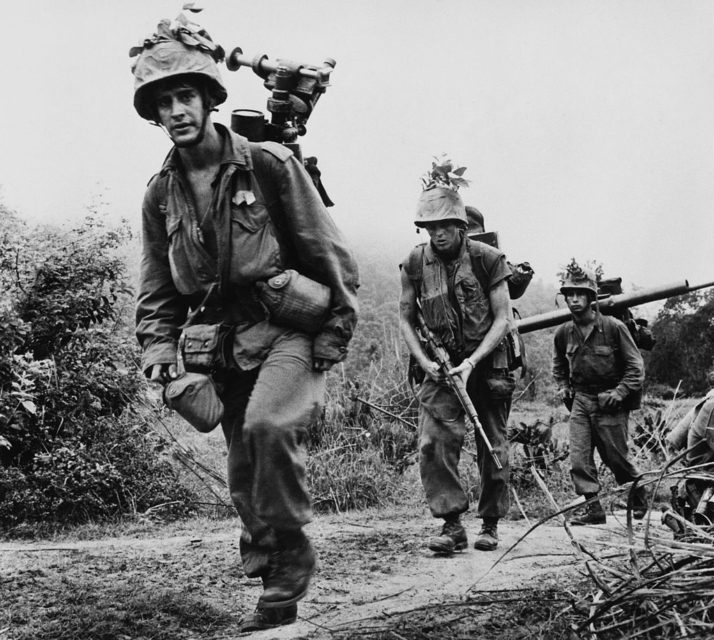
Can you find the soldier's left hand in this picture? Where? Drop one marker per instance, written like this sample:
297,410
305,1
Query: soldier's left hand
322,364
463,370
612,400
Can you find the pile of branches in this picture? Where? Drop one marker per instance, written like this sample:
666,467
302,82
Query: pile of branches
660,586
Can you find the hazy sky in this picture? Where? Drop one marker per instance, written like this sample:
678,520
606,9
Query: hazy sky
587,126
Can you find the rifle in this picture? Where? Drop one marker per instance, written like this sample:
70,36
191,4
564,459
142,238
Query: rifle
441,357
609,305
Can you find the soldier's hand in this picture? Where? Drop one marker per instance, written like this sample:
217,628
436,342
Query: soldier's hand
463,370
163,373
565,394
433,371
322,364
612,399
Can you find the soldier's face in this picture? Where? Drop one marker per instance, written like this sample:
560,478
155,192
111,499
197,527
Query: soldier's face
445,236
578,300
180,109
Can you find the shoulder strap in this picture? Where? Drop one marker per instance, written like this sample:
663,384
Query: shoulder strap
276,213
477,266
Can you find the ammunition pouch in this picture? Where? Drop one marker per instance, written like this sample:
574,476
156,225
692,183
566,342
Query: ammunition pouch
500,383
295,301
201,346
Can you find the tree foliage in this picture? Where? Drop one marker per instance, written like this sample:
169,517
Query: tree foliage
684,330
71,447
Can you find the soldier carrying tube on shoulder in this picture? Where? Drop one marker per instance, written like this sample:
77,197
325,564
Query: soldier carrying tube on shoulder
247,296
460,287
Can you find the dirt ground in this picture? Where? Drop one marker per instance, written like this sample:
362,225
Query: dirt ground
373,566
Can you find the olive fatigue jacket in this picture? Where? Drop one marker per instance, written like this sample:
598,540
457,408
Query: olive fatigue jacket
267,216
607,359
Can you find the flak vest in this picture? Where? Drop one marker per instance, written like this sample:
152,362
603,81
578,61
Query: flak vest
459,321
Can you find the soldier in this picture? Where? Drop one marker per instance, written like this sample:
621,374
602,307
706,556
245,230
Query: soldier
677,438
221,217
460,286
599,373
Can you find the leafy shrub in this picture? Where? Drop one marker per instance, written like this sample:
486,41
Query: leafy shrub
70,448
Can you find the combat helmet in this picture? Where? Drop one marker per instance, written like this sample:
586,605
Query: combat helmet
576,277
178,48
439,199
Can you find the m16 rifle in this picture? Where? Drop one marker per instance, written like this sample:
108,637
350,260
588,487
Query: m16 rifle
436,350
610,305
295,89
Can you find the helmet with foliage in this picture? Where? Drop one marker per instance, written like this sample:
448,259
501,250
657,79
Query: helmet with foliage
575,277
178,48
439,199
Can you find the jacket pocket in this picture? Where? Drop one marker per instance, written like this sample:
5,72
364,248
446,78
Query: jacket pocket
475,300
255,253
182,272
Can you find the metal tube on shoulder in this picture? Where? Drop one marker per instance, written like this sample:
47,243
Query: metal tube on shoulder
610,304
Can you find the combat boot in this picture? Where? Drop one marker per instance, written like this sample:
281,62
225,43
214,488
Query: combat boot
452,538
263,618
290,568
639,506
593,514
487,538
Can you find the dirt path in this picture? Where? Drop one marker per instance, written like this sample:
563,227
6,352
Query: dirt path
370,565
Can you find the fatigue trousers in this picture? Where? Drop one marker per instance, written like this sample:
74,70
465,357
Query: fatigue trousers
592,429
267,412
442,429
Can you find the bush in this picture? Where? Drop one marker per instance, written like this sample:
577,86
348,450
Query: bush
70,447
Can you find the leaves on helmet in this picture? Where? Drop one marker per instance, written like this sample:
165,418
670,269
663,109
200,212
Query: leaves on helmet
573,271
443,174
184,30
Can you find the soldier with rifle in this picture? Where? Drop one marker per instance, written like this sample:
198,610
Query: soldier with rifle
454,316
599,372
231,227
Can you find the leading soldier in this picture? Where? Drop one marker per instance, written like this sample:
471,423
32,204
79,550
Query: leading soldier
221,217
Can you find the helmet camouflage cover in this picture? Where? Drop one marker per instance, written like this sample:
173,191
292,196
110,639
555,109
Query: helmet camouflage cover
439,199
178,48
576,277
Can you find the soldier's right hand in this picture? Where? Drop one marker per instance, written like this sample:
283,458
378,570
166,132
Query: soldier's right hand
565,394
433,371
163,373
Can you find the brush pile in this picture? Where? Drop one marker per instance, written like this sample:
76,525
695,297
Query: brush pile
660,586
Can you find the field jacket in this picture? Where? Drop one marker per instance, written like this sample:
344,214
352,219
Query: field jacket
267,217
606,359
